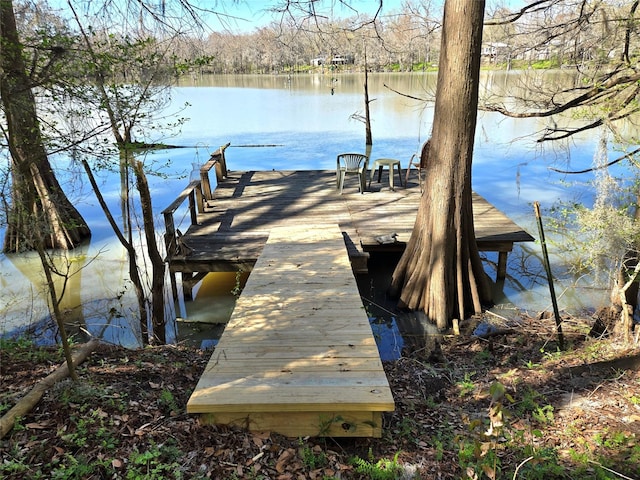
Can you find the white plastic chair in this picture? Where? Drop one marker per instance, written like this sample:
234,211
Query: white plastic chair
351,164
419,161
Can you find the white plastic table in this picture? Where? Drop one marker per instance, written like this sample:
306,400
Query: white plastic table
390,163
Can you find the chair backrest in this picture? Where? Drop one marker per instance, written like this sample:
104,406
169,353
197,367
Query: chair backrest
351,161
424,153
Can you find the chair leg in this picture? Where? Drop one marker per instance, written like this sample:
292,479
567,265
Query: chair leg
363,181
400,175
342,175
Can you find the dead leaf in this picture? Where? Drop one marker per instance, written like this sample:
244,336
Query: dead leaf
39,425
258,441
489,472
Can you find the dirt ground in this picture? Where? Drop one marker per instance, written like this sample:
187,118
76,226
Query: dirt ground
507,406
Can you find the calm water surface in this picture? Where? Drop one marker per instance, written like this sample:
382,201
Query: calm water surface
303,122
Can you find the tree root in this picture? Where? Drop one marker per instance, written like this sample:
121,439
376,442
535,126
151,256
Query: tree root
30,400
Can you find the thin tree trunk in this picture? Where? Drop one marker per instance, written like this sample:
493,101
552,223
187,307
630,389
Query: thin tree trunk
54,298
157,262
134,276
367,113
37,198
440,271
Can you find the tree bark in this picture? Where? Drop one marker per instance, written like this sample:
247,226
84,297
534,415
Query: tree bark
37,199
440,271
30,400
367,110
157,262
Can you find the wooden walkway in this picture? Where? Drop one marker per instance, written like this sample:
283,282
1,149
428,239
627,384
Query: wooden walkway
298,356
233,224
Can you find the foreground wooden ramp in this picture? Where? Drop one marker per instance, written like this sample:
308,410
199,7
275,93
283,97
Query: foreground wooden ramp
298,356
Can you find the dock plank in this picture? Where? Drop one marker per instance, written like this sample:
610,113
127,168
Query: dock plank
298,355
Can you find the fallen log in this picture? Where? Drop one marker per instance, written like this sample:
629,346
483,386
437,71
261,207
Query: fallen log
30,400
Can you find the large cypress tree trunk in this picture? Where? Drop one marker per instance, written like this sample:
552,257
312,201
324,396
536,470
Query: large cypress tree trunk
37,199
440,271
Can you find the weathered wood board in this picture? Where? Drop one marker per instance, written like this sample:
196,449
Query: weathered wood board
235,225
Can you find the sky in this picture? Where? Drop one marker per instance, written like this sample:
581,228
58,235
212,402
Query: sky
245,15
249,14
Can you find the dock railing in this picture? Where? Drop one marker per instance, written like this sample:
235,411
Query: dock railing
197,192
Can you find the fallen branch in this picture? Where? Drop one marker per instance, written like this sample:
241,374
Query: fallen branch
30,400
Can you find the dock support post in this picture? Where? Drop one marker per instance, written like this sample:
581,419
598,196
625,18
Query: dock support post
502,266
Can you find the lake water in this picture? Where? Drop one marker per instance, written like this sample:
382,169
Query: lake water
303,122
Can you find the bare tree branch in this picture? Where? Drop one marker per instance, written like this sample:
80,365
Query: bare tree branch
626,156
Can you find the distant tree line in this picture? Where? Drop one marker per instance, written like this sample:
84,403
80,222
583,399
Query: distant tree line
409,40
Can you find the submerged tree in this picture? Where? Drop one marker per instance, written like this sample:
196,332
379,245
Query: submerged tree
440,271
37,200
129,78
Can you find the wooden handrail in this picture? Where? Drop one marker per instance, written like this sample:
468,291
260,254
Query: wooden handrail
218,161
197,192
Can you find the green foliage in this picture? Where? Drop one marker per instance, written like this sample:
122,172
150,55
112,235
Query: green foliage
14,466
482,356
528,401
18,425
407,428
480,455
73,467
596,239
22,349
156,463
167,402
237,288
466,385
612,440
543,415
383,469
93,428
545,64
541,464
313,458
83,395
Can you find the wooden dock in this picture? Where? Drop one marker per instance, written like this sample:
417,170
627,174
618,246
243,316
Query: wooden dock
298,355
230,225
